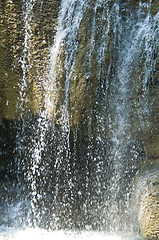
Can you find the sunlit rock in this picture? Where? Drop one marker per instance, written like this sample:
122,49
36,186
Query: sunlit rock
27,32
146,203
11,41
91,65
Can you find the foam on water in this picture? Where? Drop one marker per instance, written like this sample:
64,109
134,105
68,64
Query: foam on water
40,234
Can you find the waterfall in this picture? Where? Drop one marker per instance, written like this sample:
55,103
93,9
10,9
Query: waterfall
66,37
130,39
78,155
25,59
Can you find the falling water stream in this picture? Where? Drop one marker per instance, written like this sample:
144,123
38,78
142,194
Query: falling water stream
51,203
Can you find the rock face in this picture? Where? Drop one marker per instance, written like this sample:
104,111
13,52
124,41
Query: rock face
103,98
27,30
26,33
147,199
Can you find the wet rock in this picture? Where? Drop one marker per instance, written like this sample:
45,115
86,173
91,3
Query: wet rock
25,38
155,7
147,203
90,69
7,149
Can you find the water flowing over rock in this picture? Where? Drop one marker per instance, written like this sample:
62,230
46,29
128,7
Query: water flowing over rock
27,32
79,116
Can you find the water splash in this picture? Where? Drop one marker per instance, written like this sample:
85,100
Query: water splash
38,234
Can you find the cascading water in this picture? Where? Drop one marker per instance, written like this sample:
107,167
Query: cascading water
130,39
75,179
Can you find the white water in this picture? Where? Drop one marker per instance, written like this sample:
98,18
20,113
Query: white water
69,20
39,234
25,59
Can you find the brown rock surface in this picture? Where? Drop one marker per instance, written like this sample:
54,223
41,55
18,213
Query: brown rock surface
147,199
